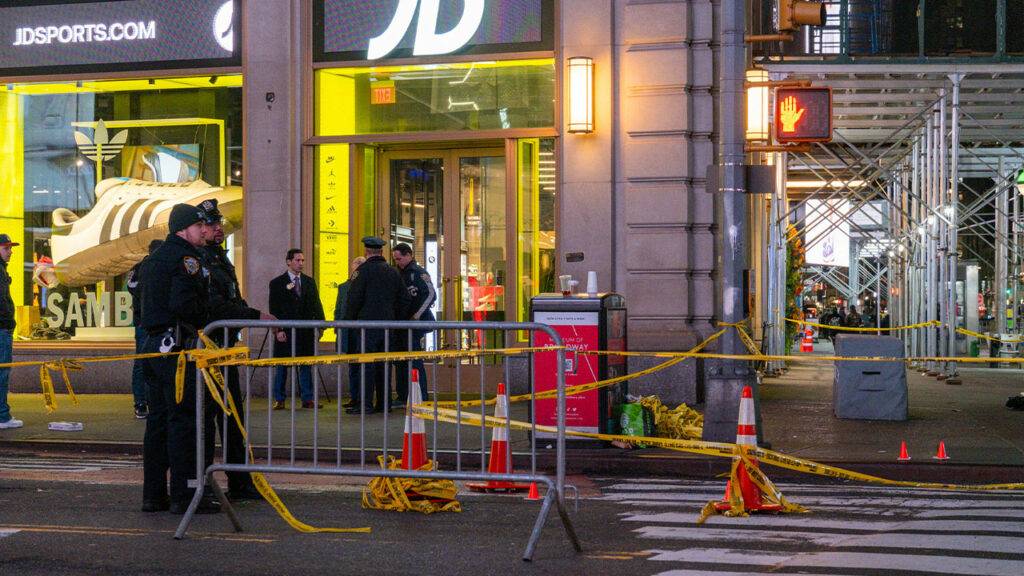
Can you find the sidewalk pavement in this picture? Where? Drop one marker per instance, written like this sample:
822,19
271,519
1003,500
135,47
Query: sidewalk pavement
984,440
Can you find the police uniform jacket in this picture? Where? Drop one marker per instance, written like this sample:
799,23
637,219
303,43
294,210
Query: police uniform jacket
421,292
226,302
175,288
288,304
377,293
6,302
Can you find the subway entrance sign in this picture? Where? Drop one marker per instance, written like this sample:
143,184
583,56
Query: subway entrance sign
803,114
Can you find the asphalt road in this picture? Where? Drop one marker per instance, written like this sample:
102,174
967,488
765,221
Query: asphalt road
69,515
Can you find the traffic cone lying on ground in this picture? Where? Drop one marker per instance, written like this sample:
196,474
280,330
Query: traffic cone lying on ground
807,345
904,455
941,453
414,441
499,462
748,489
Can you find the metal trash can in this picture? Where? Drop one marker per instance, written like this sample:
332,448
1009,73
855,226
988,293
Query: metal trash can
870,390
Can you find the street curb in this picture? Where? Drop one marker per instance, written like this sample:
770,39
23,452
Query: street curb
617,462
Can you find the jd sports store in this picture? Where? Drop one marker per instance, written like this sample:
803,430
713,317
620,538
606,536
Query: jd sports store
110,113
445,141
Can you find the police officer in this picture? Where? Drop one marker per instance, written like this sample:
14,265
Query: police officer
377,293
226,303
175,298
422,293
138,373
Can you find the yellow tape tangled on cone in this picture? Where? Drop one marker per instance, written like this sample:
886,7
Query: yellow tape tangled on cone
415,494
737,506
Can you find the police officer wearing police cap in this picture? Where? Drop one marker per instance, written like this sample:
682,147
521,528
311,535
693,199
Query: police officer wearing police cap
176,300
422,293
377,293
226,303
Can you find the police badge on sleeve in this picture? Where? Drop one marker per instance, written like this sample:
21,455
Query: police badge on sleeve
191,265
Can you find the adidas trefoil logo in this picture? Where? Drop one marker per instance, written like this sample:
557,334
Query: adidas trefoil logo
101,146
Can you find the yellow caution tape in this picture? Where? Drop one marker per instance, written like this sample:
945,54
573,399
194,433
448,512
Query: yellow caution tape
427,411
865,329
680,422
179,378
46,382
403,494
967,332
217,387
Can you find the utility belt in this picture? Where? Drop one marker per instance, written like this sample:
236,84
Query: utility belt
176,337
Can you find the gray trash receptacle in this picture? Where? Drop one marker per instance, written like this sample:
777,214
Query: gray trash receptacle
870,390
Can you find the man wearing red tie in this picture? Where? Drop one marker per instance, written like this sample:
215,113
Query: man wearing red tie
293,296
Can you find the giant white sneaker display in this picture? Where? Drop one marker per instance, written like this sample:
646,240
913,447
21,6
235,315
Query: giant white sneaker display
127,216
12,423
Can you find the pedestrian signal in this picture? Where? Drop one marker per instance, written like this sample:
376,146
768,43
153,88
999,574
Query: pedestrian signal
803,115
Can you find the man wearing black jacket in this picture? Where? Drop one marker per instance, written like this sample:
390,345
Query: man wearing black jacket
7,324
176,305
138,373
377,293
294,296
226,303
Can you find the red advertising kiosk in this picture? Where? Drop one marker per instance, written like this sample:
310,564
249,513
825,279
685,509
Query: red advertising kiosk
583,322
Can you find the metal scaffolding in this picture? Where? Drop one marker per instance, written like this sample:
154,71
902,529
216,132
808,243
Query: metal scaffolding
923,169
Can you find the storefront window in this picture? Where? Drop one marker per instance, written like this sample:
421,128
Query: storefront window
536,226
436,97
88,173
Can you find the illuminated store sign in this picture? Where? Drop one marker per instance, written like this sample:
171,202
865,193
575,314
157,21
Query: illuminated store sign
360,30
45,36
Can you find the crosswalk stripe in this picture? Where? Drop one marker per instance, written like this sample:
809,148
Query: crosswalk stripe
803,521
904,501
5,533
840,560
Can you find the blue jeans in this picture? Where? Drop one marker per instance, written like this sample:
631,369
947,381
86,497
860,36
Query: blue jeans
138,374
305,383
6,352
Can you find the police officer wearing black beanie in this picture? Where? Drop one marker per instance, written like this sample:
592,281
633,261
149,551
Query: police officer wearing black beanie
226,303
175,297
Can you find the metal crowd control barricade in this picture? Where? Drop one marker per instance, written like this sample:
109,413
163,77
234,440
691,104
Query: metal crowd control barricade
344,437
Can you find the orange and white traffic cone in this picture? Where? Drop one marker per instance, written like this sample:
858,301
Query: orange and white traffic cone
941,453
414,441
533,494
499,462
807,345
746,435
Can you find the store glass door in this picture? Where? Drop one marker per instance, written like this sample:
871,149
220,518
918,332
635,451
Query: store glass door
424,192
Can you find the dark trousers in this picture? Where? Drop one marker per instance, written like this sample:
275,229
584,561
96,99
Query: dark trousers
170,439
231,438
373,383
402,368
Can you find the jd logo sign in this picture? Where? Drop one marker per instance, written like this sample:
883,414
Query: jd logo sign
428,40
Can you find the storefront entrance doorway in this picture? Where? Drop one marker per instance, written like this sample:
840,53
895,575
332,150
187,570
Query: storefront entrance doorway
450,205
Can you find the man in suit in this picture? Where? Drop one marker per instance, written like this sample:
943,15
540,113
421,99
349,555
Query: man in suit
377,293
293,296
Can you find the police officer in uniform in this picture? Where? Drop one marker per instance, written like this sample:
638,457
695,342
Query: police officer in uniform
175,298
138,373
226,303
421,291
377,293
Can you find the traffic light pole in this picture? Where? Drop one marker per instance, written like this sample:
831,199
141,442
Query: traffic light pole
725,379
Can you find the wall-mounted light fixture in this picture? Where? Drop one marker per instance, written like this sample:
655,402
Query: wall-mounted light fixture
757,105
581,95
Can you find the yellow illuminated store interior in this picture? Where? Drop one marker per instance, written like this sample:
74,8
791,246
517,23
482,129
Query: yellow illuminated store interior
88,173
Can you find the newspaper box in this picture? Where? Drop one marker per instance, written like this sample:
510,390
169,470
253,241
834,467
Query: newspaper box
583,322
